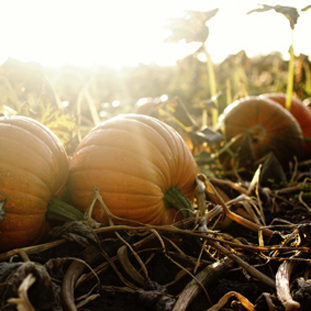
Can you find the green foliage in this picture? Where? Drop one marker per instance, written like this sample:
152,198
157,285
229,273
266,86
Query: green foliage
188,80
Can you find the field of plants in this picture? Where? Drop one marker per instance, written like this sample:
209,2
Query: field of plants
157,188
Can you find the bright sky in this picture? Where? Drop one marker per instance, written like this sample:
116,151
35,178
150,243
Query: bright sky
127,32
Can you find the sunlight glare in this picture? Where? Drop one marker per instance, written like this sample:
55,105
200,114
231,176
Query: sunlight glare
127,33
115,103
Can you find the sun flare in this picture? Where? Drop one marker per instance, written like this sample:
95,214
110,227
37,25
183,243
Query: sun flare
126,33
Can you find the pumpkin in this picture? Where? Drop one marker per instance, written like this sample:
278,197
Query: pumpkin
301,113
141,166
268,126
33,168
307,102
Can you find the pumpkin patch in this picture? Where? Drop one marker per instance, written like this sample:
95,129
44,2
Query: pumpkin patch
135,161
150,187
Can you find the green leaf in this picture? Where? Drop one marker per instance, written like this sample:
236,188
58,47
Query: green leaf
61,123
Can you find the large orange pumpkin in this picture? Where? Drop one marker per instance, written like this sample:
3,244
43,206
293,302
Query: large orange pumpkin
142,167
301,112
33,168
270,127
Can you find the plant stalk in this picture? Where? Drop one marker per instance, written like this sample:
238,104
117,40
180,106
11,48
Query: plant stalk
290,78
213,89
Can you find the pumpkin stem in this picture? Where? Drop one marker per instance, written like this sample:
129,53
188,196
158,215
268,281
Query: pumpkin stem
61,211
257,132
174,198
2,212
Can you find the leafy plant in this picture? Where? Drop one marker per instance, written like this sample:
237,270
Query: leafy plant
26,91
192,28
292,15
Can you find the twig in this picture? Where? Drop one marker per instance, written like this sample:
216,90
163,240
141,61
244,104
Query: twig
208,275
244,301
31,249
127,265
250,269
198,282
237,218
23,302
282,279
72,274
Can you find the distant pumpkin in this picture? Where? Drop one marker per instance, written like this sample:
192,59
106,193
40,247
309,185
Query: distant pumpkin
270,128
302,114
33,168
142,167
307,102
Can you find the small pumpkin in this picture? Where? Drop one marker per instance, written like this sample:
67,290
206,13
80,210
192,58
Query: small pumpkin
33,168
268,126
302,114
141,166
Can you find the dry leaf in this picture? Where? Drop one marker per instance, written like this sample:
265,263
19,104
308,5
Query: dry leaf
306,8
192,27
289,12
